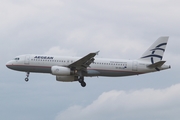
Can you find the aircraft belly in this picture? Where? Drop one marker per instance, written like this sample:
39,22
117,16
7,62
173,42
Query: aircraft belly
92,73
39,69
116,73
109,73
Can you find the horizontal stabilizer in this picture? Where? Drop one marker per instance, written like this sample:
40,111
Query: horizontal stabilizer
157,64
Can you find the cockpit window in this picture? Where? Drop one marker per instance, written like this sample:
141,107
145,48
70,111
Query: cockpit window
16,58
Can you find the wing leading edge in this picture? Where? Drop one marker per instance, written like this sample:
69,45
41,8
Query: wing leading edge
84,62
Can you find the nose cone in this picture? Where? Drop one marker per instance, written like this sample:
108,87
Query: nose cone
9,64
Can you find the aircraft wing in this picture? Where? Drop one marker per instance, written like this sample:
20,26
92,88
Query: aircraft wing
84,62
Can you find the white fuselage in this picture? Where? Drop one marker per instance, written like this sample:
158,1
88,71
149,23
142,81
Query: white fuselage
70,69
100,67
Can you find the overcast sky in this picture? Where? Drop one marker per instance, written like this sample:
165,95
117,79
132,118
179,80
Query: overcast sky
119,29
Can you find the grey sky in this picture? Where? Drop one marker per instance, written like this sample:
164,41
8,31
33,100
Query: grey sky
119,29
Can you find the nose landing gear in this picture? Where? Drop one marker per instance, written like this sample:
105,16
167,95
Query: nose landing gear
27,77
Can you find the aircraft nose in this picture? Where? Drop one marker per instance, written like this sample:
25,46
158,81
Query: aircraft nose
9,64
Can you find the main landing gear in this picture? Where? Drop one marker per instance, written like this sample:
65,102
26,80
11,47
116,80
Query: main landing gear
27,77
81,80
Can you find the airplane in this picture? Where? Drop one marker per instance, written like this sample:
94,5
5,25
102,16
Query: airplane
69,69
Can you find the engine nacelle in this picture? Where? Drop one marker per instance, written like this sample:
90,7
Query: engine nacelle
61,71
66,78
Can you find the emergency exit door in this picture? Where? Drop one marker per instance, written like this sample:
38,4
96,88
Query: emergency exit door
135,66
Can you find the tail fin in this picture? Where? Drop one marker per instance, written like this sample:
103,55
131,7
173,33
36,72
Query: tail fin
155,52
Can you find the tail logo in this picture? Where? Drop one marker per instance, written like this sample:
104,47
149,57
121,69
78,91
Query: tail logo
153,55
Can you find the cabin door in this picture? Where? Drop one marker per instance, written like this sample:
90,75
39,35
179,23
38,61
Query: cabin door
27,59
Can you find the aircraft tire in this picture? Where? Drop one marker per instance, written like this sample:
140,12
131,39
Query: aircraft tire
26,79
83,84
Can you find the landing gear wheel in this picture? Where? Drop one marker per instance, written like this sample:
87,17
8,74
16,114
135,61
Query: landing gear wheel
26,79
83,84
81,81
27,75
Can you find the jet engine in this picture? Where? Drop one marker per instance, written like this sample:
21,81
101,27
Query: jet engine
61,71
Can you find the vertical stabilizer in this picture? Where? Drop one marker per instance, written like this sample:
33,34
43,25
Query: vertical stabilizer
156,51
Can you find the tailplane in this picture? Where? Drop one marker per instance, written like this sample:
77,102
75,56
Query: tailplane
157,64
155,53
